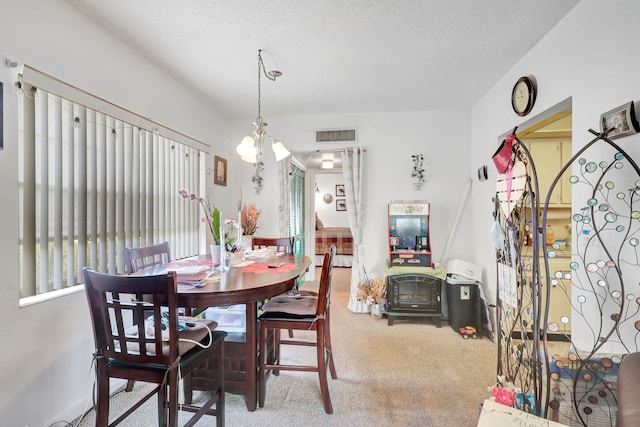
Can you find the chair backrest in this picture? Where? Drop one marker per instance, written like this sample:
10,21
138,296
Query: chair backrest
136,259
324,290
112,310
281,244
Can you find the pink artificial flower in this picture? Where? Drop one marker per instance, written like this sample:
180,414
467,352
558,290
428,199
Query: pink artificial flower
504,396
206,208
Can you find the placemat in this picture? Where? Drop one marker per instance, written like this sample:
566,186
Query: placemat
263,267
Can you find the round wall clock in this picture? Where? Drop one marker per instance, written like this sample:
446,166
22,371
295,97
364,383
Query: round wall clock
328,198
523,96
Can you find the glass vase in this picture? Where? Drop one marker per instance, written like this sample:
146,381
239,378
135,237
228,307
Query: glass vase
215,254
376,311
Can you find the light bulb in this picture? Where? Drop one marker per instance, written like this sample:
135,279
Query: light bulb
279,150
247,149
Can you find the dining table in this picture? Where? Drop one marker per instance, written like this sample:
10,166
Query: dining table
250,282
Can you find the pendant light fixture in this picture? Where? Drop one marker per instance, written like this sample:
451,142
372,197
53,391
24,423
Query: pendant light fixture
251,147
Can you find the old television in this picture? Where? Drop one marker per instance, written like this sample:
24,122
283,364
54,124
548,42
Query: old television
409,243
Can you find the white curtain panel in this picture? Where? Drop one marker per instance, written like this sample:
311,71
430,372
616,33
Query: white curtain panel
352,169
285,195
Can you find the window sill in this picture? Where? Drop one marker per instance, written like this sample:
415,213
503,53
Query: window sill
37,299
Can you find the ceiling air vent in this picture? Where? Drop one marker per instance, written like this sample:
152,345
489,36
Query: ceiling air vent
346,135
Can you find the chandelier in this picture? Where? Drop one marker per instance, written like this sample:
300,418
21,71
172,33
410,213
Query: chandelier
251,147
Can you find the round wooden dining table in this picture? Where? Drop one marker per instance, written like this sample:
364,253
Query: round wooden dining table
248,285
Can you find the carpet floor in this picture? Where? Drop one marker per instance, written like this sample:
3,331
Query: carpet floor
409,374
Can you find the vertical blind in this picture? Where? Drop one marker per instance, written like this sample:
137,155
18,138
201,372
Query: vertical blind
90,185
296,219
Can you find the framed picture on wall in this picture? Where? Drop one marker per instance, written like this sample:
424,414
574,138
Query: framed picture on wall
341,204
220,171
340,190
621,121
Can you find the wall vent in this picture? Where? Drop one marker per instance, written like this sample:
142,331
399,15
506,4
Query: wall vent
345,135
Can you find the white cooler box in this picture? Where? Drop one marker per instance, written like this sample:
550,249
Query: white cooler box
229,318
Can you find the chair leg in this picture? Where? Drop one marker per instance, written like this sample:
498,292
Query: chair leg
162,406
172,398
322,366
129,386
263,360
187,387
102,405
220,405
327,341
276,350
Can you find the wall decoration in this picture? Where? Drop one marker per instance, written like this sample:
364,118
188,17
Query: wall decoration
418,170
584,295
220,171
1,120
340,190
341,204
622,120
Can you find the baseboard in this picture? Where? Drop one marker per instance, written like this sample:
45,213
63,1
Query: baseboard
75,411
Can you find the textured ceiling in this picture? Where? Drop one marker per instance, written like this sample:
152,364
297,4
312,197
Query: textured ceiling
337,56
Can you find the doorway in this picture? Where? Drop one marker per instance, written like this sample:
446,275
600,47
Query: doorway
549,141
323,173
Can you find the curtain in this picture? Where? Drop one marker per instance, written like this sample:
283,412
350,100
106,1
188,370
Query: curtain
90,185
352,169
298,208
285,195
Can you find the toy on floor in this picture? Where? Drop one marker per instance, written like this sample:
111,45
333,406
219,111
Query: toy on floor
468,331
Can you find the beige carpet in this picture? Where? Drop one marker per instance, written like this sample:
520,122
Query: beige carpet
408,374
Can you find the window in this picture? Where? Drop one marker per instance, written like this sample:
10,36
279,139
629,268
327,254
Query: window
296,216
92,184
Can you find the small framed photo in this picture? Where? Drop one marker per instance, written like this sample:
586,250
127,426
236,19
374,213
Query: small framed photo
340,190
621,121
341,204
220,171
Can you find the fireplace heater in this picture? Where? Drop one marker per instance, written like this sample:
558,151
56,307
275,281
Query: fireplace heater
413,295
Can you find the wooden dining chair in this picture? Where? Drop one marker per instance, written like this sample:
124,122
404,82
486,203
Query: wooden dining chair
280,244
307,311
136,259
153,351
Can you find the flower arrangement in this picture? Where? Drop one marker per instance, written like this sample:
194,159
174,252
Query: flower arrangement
372,291
231,235
209,217
249,215
418,169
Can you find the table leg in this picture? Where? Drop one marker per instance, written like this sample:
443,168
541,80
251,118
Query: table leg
252,356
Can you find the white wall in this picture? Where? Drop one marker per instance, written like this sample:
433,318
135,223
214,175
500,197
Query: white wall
390,140
327,212
47,347
588,56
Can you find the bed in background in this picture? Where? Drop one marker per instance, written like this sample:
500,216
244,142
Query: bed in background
339,236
